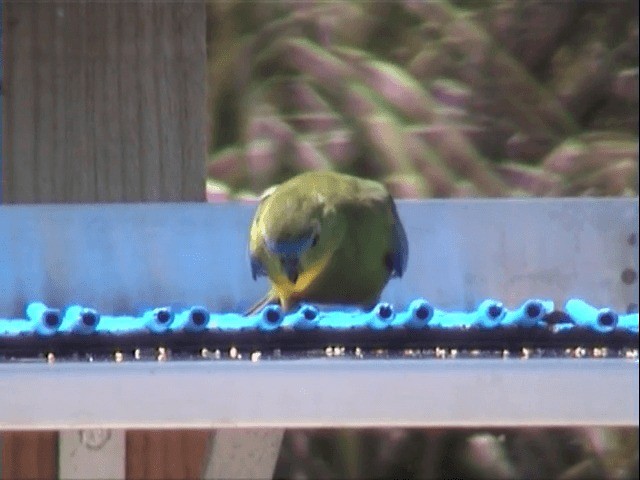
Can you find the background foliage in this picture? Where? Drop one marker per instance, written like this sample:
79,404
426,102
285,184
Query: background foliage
436,99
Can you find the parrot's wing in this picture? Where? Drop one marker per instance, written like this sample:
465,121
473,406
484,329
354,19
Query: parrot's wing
372,193
258,268
400,245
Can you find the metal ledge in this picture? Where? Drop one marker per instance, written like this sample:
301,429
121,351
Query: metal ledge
121,258
331,392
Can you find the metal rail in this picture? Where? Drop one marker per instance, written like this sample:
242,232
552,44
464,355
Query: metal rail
123,257
328,392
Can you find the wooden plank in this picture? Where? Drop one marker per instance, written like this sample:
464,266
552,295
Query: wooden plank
1,95
190,28
175,454
108,173
148,150
18,102
43,102
23,454
168,107
59,147
28,455
104,102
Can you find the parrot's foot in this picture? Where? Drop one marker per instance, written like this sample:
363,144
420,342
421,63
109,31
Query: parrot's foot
268,299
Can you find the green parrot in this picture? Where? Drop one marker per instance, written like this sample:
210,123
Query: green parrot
326,237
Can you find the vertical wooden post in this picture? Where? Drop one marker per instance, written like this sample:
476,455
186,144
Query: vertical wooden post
103,102
28,455
1,94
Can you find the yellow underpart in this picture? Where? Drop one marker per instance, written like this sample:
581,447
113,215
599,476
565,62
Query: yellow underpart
284,289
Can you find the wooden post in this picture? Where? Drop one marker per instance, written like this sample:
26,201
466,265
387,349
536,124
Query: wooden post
104,102
1,94
28,455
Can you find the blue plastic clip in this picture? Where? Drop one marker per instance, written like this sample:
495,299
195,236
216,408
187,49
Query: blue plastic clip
584,315
306,318
43,320
530,313
270,318
196,319
417,315
489,314
78,319
381,317
628,322
158,320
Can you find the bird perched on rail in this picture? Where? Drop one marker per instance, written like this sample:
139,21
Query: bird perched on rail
326,237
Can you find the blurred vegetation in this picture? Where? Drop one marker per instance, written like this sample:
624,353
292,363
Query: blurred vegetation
562,453
436,99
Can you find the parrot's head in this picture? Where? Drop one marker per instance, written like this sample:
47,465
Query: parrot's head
300,233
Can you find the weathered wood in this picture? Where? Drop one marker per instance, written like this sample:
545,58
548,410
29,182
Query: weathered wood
28,455
104,101
165,454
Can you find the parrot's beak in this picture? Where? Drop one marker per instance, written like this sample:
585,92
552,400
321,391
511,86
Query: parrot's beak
291,267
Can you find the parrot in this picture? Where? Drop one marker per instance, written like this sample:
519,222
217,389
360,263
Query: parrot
326,237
